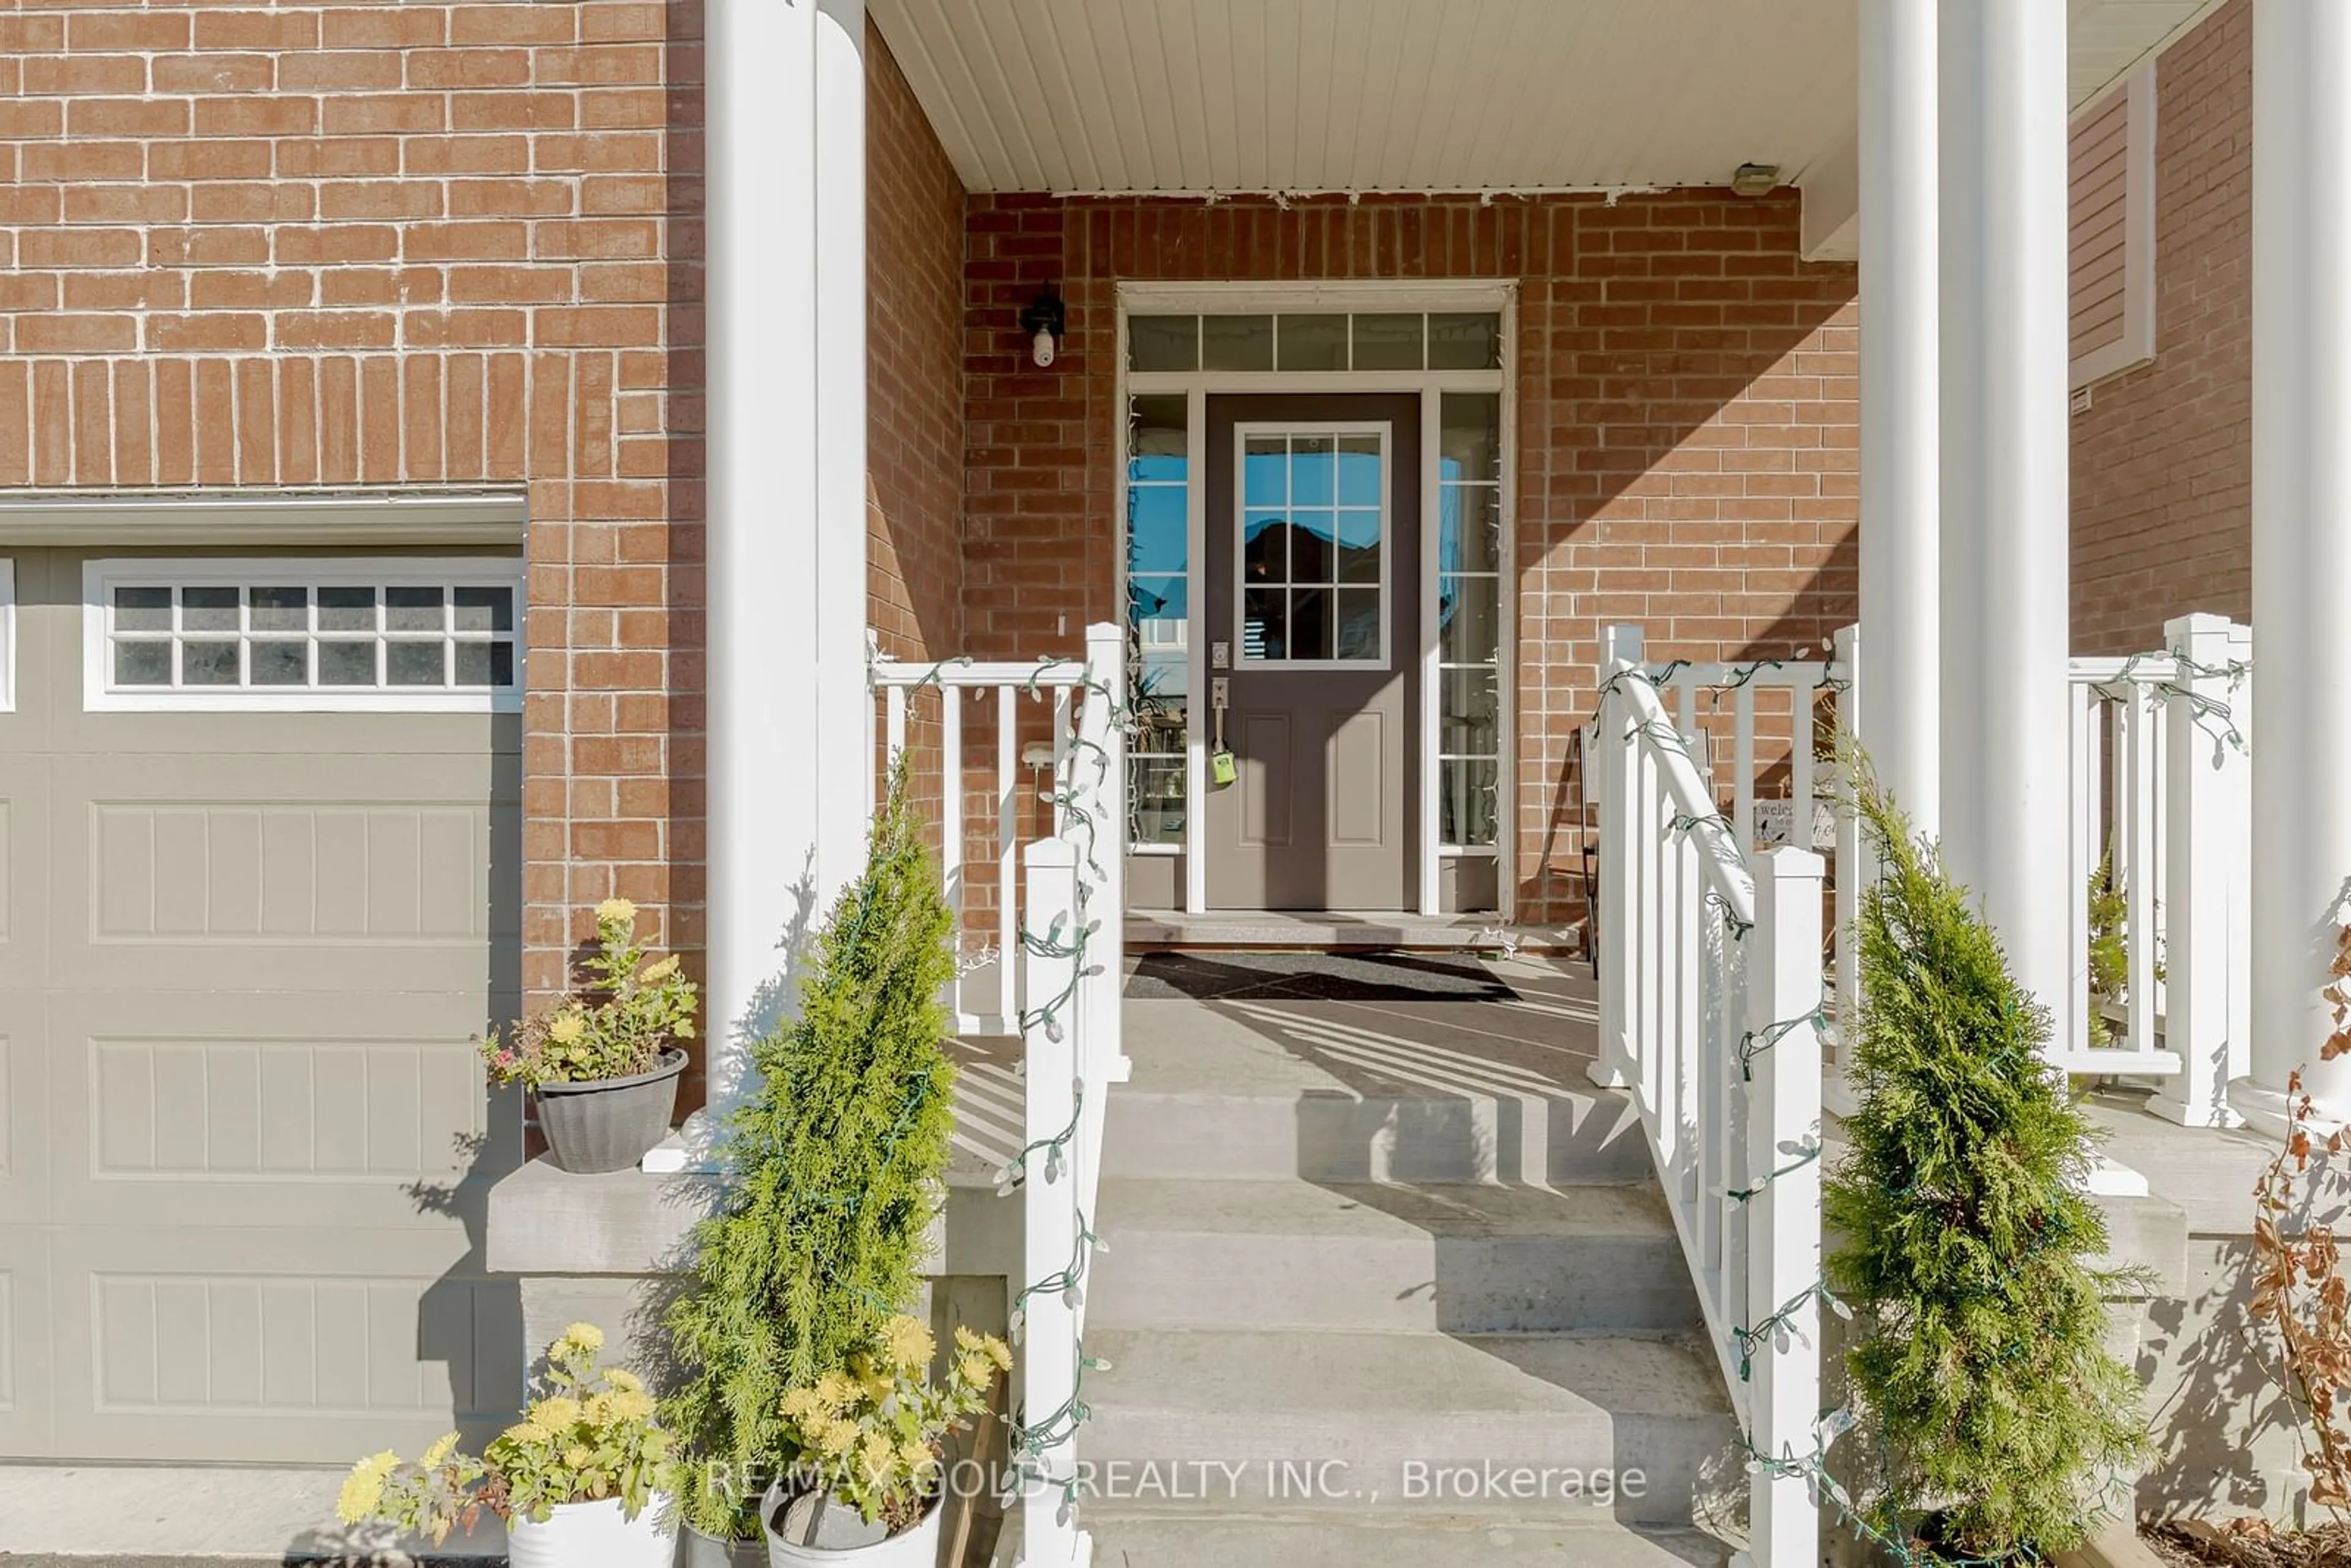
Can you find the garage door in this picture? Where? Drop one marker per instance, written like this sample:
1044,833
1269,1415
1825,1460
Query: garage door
259,843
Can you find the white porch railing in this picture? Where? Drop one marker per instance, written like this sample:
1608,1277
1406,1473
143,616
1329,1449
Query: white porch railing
1055,985
2162,802
1712,1003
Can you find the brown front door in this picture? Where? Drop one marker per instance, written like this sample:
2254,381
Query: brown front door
1311,604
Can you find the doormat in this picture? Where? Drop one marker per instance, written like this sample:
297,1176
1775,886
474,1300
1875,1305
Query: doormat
1368,976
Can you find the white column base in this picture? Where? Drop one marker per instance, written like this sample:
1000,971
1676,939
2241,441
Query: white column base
2266,1111
693,1148
1607,1075
2180,1112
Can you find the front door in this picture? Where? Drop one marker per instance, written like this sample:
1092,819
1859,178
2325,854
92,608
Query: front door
1312,609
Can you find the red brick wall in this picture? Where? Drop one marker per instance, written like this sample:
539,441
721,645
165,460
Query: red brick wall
1686,438
423,243
914,353
2163,460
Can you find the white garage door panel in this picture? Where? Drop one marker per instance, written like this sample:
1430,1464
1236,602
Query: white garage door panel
208,877
23,864
246,1143
25,1401
291,1110
24,1116
361,1339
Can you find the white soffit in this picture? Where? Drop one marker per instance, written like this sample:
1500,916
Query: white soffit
1204,96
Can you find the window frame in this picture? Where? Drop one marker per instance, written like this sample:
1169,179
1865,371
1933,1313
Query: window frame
2135,344
101,577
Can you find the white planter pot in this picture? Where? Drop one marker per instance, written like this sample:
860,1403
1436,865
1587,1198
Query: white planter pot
596,1535
842,1540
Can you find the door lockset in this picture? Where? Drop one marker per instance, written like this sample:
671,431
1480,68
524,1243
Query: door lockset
1222,769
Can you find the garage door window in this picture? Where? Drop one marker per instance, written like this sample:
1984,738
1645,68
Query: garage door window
250,634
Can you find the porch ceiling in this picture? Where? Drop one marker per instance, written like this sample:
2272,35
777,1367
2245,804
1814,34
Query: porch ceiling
1417,95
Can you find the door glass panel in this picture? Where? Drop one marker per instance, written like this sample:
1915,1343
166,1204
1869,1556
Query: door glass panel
1469,609
1163,342
1158,607
1470,529
1466,801
1237,342
1296,534
1312,343
1470,440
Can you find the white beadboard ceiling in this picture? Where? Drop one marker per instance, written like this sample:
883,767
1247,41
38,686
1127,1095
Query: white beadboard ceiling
1411,95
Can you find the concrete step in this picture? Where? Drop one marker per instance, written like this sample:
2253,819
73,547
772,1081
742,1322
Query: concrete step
1533,1426
1402,1135
1457,1259
1139,1537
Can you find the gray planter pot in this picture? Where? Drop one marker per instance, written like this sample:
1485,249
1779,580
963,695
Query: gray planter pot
696,1550
608,1125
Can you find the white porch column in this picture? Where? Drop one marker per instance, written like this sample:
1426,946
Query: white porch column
1900,397
2302,544
2004,635
786,289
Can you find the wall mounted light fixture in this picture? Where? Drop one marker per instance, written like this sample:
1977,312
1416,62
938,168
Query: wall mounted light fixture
1047,322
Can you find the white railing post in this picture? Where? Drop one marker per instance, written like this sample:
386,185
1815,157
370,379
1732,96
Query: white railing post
1101,769
2208,839
1615,769
1784,1222
1048,1329
2236,800
1852,877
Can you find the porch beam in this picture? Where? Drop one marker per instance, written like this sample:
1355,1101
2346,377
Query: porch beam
2004,771
2301,547
1900,401
785,579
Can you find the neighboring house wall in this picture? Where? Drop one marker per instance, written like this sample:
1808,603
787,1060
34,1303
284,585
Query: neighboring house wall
1686,429
382,245
2163,459
915,351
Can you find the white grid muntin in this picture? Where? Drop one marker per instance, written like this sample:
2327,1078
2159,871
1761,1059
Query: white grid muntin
1290,432
102,582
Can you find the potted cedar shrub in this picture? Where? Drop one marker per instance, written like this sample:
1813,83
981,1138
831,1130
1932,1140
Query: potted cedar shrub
605,1061
585,1480
835,1167
870,1442
2003,1427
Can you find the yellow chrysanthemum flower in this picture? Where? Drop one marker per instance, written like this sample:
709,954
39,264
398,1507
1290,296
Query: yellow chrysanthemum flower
615,910
624,1380
908,1343
578,1455
363,1488
657,972
916,1458
567,1027
558,1415
998,1352
836,1390
877,1456
974,1367
438,1454
527,1430
967,1337
586,1338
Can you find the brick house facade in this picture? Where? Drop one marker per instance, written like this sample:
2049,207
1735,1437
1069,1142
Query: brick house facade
2163,457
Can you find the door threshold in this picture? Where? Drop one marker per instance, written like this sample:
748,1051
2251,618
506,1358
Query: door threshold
1322,930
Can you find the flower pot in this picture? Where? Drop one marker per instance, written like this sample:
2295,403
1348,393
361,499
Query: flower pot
696,1550
596,1535
811,1530
612,1124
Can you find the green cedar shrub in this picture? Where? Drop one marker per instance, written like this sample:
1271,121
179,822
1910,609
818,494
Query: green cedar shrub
835,1170
1980,1370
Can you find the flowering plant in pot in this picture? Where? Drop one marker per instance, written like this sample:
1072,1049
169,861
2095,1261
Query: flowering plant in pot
870,1444
585,1480
605,1061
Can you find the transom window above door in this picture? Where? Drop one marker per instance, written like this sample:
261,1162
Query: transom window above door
1317,341
1312,558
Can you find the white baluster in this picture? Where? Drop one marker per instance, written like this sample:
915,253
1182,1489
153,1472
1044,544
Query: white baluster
2087,744
1742,768
1852,874
2137,866
1612,765
1008,969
